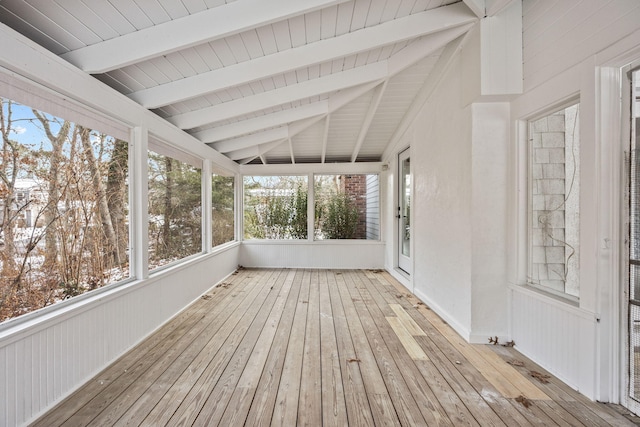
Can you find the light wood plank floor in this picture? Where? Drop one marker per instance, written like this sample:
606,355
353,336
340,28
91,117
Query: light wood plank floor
321,348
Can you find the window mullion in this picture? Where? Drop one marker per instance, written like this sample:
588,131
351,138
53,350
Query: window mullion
140,202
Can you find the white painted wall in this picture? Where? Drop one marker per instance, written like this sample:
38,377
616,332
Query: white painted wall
459,157
441,161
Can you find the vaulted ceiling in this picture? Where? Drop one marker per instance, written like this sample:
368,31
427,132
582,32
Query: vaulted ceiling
270,81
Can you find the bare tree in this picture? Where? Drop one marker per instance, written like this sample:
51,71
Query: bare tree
100,195
53,180
117,195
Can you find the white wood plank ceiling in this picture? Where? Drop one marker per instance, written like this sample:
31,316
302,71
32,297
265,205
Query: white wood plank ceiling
271,81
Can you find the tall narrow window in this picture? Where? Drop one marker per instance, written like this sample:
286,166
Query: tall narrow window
63,209
175,207
222,205
554,204
275,207
347,207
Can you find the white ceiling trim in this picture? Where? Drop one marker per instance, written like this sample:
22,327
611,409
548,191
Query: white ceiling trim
192,30
255,124
412,26
283,95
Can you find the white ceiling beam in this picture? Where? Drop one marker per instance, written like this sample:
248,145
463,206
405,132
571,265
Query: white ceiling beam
325,137
250,140
372,74
191,30
422,47
432,81
278,118
283,95
368,118
255,151
396,64
477,6
397,30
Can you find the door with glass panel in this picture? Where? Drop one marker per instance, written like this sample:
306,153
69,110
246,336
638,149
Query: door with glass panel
633,291
404,211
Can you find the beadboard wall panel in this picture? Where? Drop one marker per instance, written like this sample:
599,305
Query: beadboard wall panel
557,335
44,360
347,254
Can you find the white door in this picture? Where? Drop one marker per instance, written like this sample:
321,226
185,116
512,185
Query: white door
632,293
404,211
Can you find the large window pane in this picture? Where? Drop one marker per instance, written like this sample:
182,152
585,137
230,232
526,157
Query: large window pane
275,207
222,202
63,209
175,210
347,207
554,203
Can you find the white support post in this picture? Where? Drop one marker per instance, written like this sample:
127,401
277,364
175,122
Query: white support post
239,206
207,210
139,192
311,211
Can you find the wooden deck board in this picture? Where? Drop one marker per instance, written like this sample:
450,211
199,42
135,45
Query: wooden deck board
319,347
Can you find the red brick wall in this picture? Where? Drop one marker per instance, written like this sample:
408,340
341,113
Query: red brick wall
356,187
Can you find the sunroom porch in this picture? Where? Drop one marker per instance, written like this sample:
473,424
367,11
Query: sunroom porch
494,140
288,347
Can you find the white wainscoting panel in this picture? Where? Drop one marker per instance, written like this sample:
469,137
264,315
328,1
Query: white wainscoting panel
46,358
341,254
557,335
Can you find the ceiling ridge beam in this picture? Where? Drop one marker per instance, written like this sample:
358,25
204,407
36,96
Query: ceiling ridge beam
188,31
368,119
283,95
262,122
416,25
